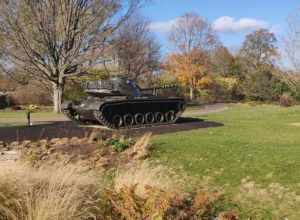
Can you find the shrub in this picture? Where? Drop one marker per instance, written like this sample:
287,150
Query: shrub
286,100
160,204
4,101
119,145
33,93
263,86
74,93
205,96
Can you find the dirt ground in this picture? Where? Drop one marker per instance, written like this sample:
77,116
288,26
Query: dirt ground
64,128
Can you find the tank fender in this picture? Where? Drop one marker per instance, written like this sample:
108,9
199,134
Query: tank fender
91,106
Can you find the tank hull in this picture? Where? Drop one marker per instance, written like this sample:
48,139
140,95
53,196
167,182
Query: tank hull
122,112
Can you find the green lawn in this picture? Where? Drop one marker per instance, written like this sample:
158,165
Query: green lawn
260,142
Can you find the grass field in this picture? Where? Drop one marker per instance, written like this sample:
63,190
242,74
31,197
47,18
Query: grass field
260,142
254,158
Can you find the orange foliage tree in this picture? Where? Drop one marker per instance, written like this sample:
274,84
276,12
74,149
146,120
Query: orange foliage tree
190,68
193,38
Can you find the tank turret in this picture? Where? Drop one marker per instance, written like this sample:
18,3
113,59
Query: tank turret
120,103
117,86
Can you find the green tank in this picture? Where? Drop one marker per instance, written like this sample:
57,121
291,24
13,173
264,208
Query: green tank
121,103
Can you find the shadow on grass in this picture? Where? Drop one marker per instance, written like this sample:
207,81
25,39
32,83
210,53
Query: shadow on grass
182,124
69,129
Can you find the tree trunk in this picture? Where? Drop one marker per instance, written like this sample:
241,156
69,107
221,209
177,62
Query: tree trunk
191,93
57,97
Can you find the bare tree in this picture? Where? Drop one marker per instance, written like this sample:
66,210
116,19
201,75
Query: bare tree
192,32
55,39
137,51
222,61
257,59
259,49
193,39
292,40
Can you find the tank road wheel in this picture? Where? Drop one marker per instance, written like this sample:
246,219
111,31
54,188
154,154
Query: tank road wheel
159,117
117,121
149,118
68,113
139,118
170,116
71,114
181,107
128,120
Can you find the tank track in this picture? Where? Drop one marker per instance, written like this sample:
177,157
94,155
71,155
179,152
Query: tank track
137,120
127,114
68,113
101,119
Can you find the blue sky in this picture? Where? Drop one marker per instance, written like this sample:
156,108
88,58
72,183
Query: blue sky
233,19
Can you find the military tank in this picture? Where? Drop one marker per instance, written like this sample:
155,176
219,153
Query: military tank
120,103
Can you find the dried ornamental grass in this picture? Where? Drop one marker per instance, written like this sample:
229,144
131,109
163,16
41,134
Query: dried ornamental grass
142,175
57,192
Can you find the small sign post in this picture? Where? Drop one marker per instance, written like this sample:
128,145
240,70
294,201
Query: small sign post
28,118
30,109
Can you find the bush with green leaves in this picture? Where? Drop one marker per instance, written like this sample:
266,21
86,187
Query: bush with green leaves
263,86
4,101
74,92
120,144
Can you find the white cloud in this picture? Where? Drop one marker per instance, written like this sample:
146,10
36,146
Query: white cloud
162,26
222,24
230,24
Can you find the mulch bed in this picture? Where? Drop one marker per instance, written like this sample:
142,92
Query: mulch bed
70,129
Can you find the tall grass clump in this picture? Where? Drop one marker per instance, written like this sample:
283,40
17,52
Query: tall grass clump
143,175
137,188
47,193
274,201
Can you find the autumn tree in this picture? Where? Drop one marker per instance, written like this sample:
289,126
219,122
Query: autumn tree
136,49
193,38
51,40
189,68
